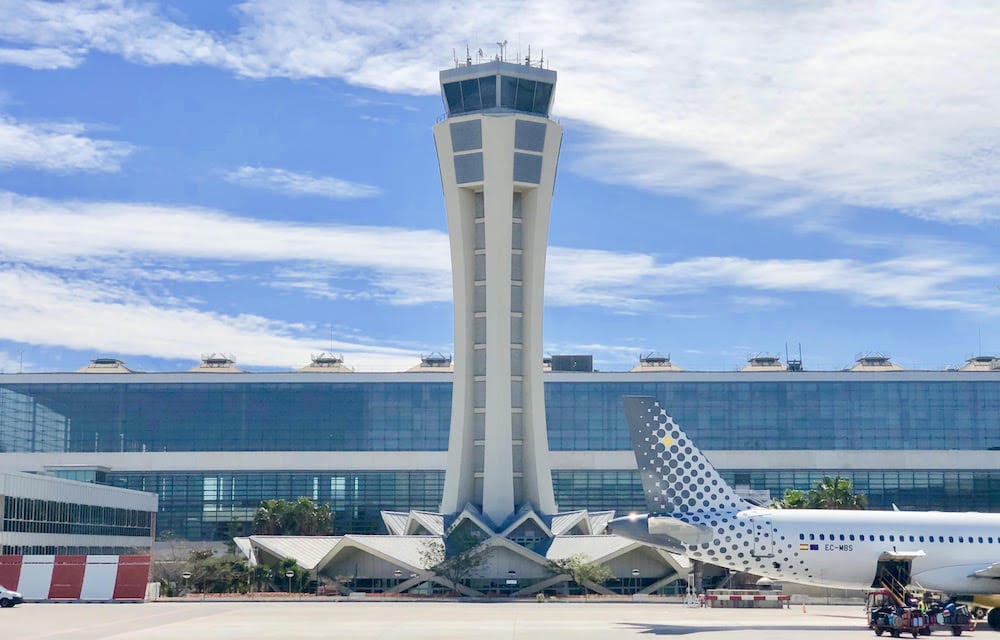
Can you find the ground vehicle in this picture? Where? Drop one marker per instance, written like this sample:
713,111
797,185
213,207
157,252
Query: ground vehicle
9,598
886,613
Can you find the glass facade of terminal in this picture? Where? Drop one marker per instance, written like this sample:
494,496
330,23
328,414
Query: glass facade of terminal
415,416
406,413
207,506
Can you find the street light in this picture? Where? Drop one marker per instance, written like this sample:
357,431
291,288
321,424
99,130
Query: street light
187,576
398,574
635,581
289,574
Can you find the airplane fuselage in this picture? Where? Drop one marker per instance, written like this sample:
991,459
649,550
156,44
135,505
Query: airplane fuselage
839,548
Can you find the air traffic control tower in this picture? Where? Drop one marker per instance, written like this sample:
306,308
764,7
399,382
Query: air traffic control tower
498,150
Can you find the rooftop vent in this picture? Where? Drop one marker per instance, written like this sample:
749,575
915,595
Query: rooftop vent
105,365
655,361
326,363
434,362
217,363
982,363
764,362
874,361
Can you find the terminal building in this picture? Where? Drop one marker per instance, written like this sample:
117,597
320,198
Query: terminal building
213,444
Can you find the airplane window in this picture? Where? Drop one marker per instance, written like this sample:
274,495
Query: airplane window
892,538
802,536
841,536
921,538
980,539
851,537
911,538
871,538
951,538
881,538
960,539
971,540
940,538
821,536
990,539
812,536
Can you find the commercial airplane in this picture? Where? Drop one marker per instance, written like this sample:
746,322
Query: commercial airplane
694,512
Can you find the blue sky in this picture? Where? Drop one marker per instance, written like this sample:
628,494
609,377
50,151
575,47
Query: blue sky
259,179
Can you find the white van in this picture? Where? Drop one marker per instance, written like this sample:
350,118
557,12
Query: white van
9,598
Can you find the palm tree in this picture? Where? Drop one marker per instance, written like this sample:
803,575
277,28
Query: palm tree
836,493
832,492
271,517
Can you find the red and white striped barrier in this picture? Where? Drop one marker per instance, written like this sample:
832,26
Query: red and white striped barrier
89,578
746,597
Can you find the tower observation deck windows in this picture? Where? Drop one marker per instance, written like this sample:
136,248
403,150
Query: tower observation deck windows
480,94
475,94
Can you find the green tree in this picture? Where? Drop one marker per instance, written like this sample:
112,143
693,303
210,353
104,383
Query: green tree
300,518
459,558
832,492
582,570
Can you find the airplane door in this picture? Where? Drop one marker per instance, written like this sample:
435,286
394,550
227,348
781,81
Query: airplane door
763,537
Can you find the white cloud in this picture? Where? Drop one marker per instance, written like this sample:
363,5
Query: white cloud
40,58
90,315
407,266
57,147
784,107
99,276
299,184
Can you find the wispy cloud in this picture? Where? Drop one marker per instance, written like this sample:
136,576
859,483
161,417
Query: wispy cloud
107,318
785,109
407,266
299,184
40,58
57,147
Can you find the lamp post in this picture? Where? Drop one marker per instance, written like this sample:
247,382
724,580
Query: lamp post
186,576
635,581
289,574
397,574
512,581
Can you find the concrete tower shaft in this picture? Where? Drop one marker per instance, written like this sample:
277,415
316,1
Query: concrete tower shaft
498,152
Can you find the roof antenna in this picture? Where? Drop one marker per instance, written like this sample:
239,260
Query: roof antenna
527,58
468,56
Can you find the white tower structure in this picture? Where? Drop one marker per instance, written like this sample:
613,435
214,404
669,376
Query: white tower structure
498,150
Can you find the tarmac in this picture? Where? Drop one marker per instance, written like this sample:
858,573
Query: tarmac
427,620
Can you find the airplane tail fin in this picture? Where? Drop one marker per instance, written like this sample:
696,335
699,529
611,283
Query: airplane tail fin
676,476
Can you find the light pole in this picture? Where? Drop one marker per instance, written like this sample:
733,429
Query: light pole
397,574
186,576
512,581
635,581
289,574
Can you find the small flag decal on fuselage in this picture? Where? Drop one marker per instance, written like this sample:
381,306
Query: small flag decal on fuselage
808,547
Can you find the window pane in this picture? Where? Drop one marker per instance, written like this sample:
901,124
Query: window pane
453,95
525,94
508,91
488,91
470,95
543,92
